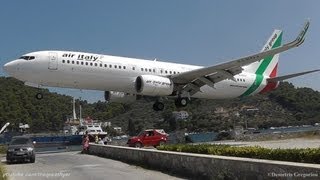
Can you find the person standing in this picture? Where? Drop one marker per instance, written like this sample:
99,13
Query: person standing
96,138
85,143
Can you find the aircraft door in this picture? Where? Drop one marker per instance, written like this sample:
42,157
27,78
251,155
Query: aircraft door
53,61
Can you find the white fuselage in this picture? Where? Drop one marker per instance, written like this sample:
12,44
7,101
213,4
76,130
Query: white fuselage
111,73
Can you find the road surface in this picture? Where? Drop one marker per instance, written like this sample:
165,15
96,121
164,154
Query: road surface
274,144
76,166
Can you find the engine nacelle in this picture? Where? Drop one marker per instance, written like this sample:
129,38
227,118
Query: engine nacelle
120,97
152,85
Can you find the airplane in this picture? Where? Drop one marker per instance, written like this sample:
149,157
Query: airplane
126,79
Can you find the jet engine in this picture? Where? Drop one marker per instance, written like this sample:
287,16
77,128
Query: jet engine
121,97
152,85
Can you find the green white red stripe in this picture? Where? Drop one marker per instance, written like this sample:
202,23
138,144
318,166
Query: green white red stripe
261,70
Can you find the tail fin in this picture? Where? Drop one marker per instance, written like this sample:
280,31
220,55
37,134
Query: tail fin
269,65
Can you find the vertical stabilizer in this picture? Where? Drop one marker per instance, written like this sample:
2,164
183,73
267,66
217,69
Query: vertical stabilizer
268,66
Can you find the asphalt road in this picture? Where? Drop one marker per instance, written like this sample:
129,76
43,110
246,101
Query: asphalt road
76,166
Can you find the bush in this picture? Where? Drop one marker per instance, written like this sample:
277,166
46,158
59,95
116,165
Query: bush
308,155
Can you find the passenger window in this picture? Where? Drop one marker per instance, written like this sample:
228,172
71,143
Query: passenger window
141,69
105,65
91,64
63,61
119,67
133,68
68,61
100,65
149,70
72,62
110,66
124,67
87,63
161,71
77,62
166,72
81,63
154,70
146,69
115,66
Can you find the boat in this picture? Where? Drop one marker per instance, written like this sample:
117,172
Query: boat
93,127
72,134
56,140
80,126
69,136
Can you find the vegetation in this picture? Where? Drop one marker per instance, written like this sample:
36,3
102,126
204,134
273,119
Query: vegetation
285,106
308,155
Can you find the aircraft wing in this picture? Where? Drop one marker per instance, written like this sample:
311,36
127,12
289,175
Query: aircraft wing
281,78
191,81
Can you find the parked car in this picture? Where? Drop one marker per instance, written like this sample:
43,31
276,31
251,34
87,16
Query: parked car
150,137
21,148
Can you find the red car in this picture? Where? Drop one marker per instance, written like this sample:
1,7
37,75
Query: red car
150,137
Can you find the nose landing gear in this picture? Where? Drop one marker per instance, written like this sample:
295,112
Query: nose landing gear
39,96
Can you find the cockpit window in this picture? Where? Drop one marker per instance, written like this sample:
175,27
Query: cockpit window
27,57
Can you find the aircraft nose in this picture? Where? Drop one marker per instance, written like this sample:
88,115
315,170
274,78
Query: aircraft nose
6,67
10,67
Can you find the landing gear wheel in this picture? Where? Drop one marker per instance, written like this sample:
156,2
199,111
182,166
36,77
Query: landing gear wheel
158,106
39,96
181,102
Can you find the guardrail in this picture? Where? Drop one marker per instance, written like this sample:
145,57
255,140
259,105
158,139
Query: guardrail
207,166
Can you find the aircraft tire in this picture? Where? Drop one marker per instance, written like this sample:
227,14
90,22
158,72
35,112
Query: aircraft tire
39,96
181,102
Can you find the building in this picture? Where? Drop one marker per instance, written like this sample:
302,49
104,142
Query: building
180,115
107,124
118,129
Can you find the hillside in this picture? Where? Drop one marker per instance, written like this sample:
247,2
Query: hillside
285,106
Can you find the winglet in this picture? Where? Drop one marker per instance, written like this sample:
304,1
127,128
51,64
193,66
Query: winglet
300,39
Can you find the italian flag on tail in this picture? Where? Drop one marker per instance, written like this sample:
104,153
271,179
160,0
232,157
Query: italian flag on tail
265,68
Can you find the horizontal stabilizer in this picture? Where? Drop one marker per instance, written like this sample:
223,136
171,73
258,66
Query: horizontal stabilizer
281,78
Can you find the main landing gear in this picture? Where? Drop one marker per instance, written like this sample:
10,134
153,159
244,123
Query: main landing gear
179,102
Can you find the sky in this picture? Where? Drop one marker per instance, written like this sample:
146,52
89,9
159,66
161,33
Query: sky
204,32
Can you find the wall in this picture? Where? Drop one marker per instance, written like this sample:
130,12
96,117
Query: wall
207,166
